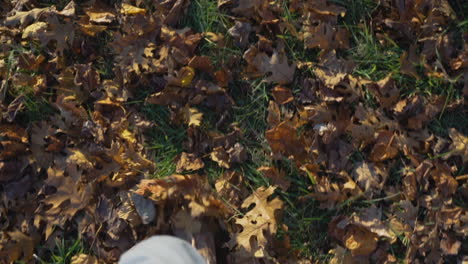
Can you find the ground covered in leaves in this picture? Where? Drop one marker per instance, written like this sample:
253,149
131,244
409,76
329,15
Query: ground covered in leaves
260,131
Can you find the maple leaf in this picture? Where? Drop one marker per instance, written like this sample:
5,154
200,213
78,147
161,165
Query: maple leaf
258,223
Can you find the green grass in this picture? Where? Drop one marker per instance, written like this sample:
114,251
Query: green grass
165,140
35,107
63,252
105,64
203,16
457,120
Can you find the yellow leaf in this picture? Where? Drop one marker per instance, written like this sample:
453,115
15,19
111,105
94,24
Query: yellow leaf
127,135
186,75
192,116
132,10
32,30
84,259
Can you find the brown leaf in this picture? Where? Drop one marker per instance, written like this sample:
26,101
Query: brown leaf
258,223
230,187
100,15
449,245
385,147
332,70
192,116
202,63
84,259
360,241
277,177
283,139
282,95
443,179
369,177
385,91
220,156
189,162
240,32
13,108
18,247
274,115
408,62
22,18
459,144
127,9
222,78
276,67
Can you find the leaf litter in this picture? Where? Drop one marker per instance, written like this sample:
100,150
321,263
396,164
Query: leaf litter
86,168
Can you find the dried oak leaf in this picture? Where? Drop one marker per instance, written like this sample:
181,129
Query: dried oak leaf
127,9
450,245
360,233
385,147
332,70
443,179
240,32
100,14
370,177
84,259
409,61
135,54
220,156
230,187
385,91
258,223
22,18
70,197
17,246
278,177
192,116
189,162
282,95
276,67
324,36
459,144
360,240
283,139
160,190
326,192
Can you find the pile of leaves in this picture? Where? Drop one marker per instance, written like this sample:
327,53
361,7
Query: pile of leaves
80,79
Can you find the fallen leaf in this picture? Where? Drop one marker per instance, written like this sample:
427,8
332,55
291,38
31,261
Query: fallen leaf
84,259
22,18
276,67
459,144
259,223
221,157
368,177
360,241
131,10
189,162
282,95
277,177
192,116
